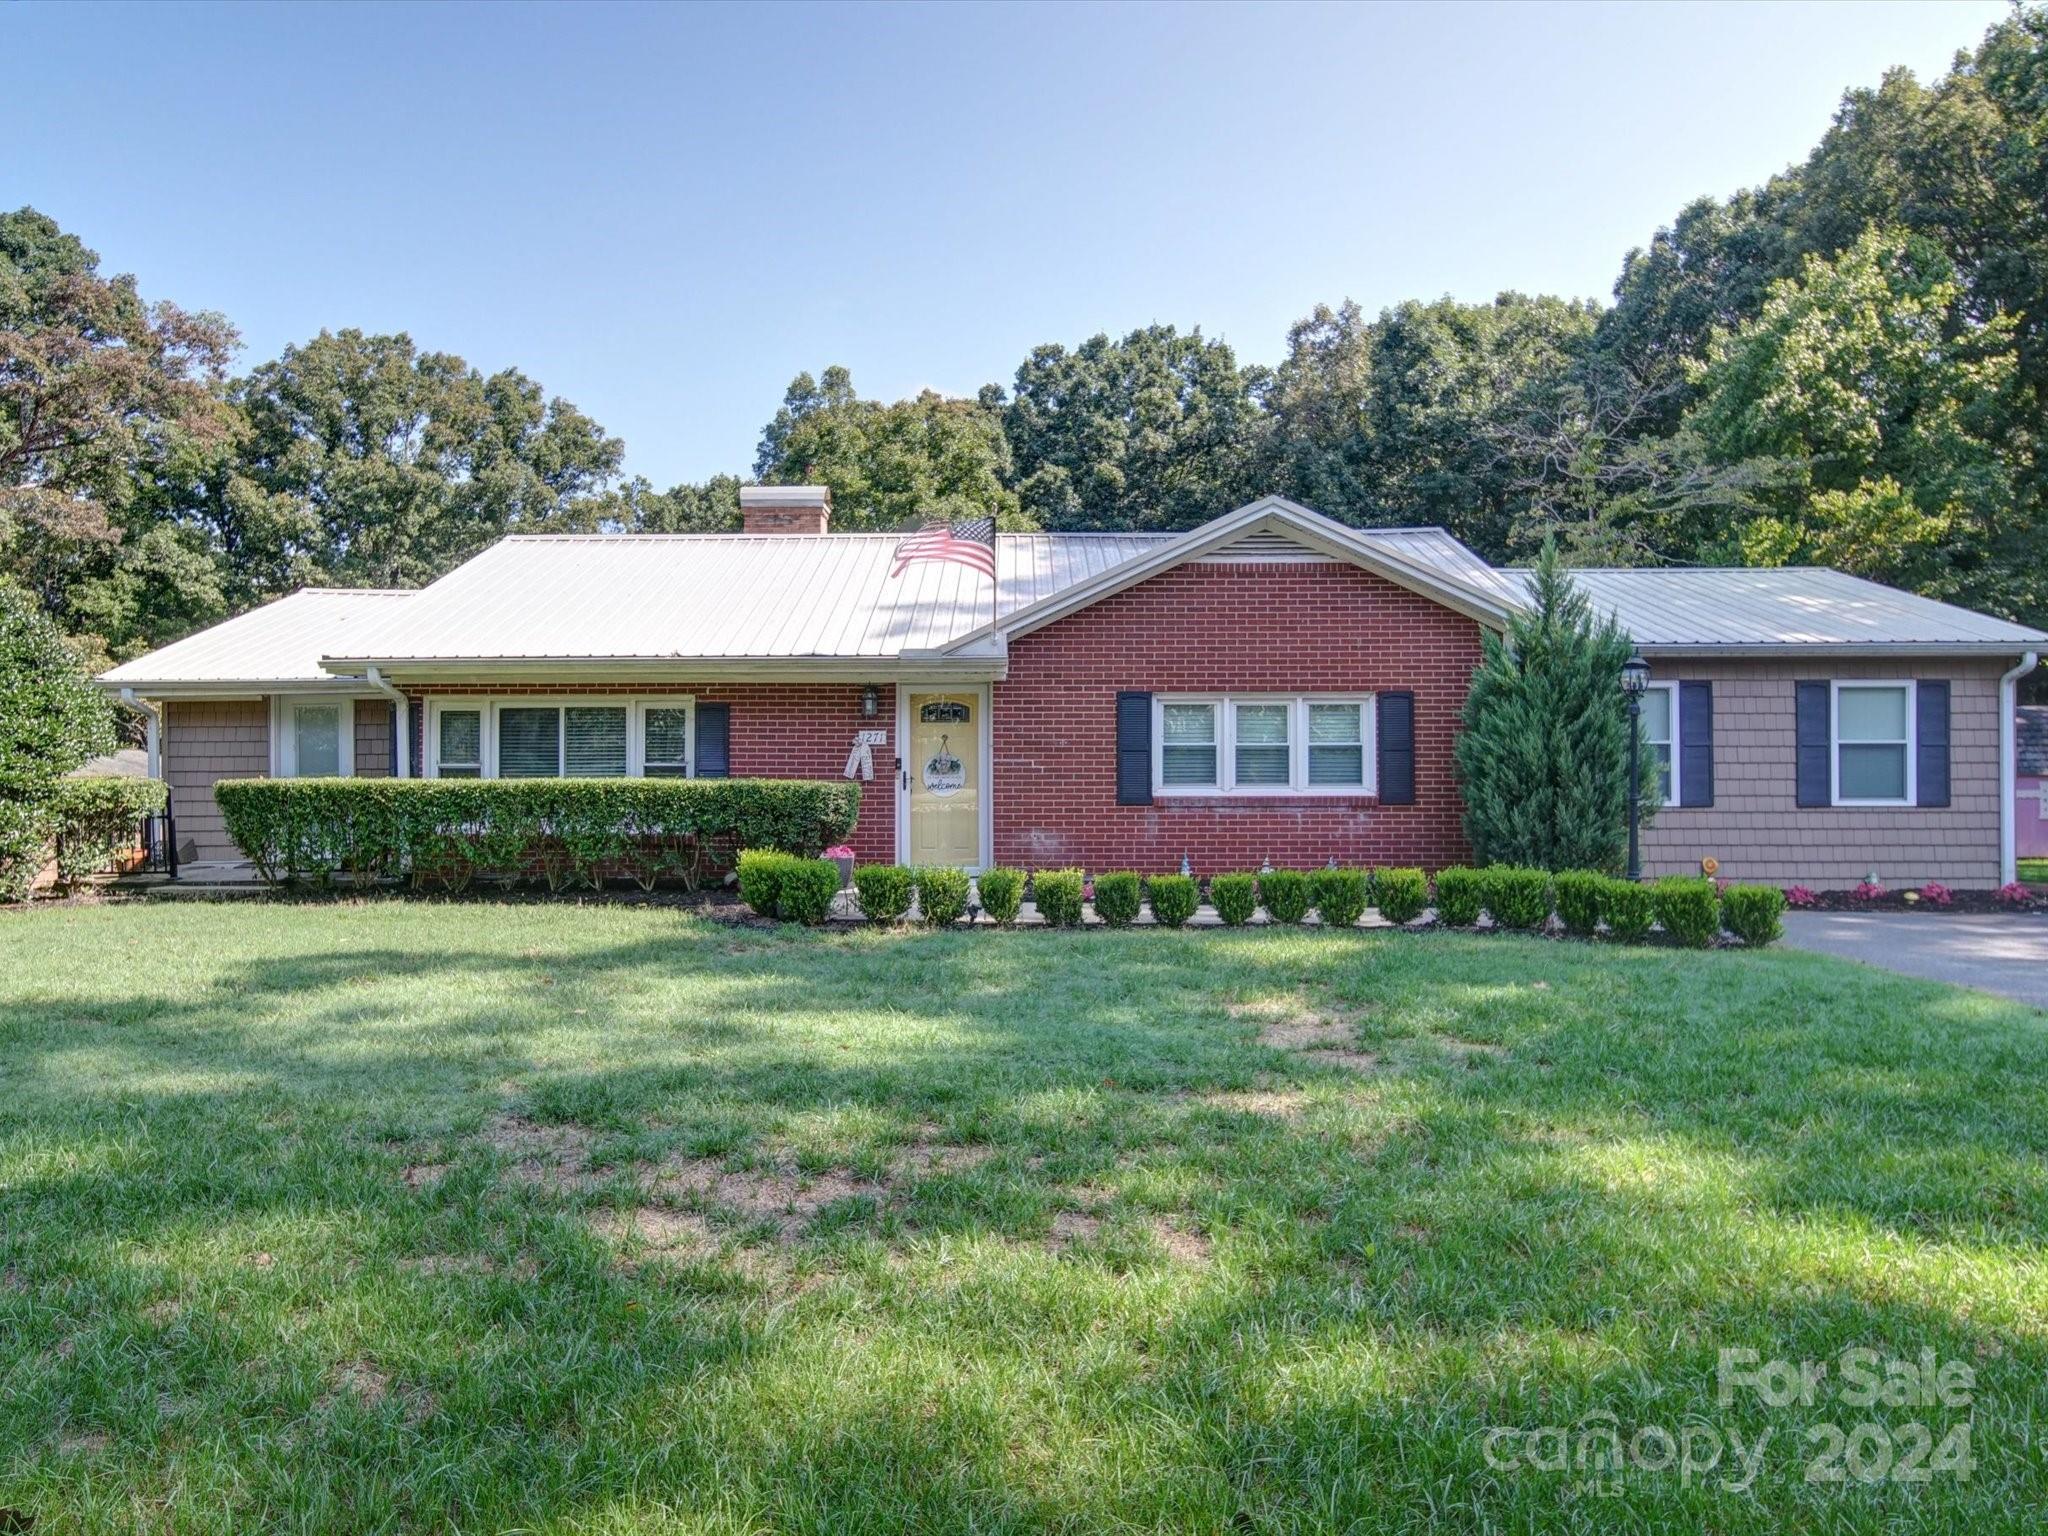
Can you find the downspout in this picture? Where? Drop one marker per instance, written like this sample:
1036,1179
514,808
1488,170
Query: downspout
2008,706
152,731
401,720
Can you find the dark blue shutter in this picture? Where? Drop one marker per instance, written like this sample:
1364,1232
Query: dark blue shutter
714,741
1931,767
1695,743
1396,734
1134,749
1815,776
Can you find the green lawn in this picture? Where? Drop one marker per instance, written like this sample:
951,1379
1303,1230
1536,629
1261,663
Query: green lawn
403,1216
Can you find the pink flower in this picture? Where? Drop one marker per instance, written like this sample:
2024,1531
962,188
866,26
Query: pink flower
840,852
2013,894
1799,896
1867,890
1935,894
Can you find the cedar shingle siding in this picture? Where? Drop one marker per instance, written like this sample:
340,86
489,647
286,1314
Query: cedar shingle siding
202,742
1759,832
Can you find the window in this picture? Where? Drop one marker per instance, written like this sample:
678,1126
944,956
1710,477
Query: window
581,739
1873,738
1660,730
1262,744
1188,750
317,732
461,742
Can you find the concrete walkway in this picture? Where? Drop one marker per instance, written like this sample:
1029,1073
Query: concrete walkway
2006,953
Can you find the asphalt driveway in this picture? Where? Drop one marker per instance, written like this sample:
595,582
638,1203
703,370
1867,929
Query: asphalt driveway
2005,953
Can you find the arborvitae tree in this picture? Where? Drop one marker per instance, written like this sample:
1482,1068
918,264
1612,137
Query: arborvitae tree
1543,755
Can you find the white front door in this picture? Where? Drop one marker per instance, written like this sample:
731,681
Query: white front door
945,777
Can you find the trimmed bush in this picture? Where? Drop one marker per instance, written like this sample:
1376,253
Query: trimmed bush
1342,895
807,887
1627,908
1174,898
1753,913
1058,894
1689,908
447,831
1517,898
1286,895
52,718
1002,893
761,871
1460,897
95,820
884,891
942,894
1578,900
1117,898
1401,894
1235,897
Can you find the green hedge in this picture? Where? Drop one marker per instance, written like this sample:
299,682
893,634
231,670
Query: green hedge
884,891
449,831
1689,908
1400,894
1174,899
1286,895
1342,895
941,894
1117,898
1002,893
1578,901
1517,897
1235,897
1627,908
1754,913
784,886
1460,897
93,820
1058,895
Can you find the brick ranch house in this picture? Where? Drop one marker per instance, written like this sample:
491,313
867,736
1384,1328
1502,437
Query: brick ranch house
1272,685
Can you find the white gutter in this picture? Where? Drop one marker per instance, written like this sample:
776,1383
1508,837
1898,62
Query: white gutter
153,731
2008,706
401,719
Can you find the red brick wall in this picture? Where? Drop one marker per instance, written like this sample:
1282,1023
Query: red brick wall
1304,628
779,731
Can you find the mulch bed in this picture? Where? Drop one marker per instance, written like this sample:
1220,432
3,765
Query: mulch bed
1967,903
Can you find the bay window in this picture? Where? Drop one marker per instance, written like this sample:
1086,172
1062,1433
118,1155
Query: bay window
567,738
1262,744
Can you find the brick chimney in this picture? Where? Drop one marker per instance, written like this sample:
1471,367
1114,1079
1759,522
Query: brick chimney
785,509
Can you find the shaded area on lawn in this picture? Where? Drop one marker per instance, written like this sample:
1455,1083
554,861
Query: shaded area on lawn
388,1213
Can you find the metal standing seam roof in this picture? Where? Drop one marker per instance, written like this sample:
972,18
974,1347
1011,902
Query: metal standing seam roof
281,642
1738,608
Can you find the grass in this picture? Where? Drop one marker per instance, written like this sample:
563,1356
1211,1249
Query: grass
387,1216
2034,871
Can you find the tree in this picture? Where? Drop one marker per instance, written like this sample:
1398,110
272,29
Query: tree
1860,372
711,507
1158,430
889,465
1543,756
366,462
51,720
100,393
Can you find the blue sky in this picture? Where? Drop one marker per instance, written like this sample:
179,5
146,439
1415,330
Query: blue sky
665,212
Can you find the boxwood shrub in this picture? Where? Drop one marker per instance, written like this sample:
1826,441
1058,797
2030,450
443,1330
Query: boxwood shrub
1754,913
1689,909
941,894
884,891
1460,897
1578,900
761,871
1517,898
806,889
1342,895
1002,893
1058,895
95,819
1235,897
1286,895
1627,908
1174,898
1401,894
448,831
1117,898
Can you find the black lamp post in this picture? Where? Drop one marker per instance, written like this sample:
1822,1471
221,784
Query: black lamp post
1635,677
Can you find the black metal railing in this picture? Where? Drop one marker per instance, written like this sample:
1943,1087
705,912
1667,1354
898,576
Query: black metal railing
158,839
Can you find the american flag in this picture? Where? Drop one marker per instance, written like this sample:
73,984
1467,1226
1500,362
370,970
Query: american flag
972,544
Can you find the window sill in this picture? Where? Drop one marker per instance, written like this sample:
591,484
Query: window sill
1291,797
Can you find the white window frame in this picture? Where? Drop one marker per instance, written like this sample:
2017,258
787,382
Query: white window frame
488,706
1912,742
1297,785
285,733
1673,799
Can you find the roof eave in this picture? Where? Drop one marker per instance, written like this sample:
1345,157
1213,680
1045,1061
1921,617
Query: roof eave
910,664
1840,648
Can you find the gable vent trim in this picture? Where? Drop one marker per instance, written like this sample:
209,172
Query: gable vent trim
1267,548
